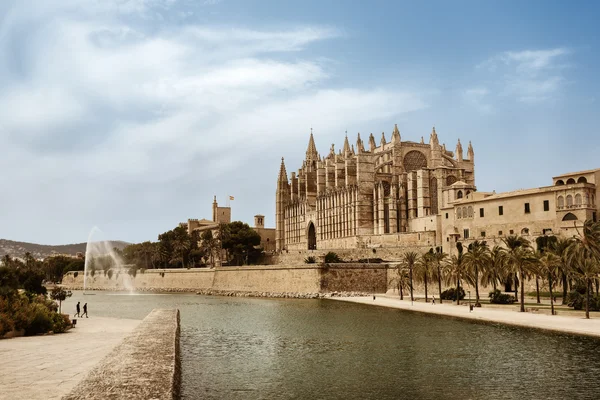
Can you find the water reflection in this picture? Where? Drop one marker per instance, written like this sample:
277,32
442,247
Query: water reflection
239,348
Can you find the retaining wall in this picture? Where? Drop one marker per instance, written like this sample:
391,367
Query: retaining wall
146,365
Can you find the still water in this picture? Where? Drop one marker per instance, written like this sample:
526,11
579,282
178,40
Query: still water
240,348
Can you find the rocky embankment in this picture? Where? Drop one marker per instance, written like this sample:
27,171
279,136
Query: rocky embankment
286,295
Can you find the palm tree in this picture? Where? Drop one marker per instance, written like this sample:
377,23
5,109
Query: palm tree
560,249
409,259
456,270
423,267
495,269
583,255
549,265
520,260
439,258
401,280
476,259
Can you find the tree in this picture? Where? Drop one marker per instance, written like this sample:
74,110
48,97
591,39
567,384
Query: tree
401,280
520,260
476,260
210,244
409,260
60,294
9,282
549,265
439,258
240,241
584,257
456,270
423,269
494,271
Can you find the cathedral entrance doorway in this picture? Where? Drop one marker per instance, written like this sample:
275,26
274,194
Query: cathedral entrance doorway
312,237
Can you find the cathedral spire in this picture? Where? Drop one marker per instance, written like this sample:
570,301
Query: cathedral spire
372,144
470,152
433,138
360,147
283,178
459,151
346,150
396,134
383,142
311,152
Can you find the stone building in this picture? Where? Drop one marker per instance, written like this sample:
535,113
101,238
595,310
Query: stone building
384,195
558,210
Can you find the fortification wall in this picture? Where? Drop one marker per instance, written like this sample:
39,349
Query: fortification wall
304,279
369,278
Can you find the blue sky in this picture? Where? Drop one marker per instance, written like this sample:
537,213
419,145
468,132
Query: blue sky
130,115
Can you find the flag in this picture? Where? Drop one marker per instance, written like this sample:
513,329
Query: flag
231,198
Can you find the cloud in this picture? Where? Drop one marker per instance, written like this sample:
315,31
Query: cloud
99,101
528,75
477,97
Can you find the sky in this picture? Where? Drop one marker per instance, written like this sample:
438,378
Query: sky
130,115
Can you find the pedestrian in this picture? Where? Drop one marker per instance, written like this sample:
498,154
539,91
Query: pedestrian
78,310
433,301
373,297
84,311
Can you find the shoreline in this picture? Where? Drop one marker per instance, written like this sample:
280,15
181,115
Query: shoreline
553,323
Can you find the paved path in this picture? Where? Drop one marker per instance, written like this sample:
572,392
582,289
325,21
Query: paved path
567,324
48,367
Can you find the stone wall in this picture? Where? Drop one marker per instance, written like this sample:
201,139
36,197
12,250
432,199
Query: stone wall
146,365
304,279
369,278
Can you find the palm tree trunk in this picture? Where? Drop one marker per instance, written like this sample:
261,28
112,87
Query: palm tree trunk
597,284
401,292
564,284
425,279
411,285
522,279
551,295
457,291
516,288
494,283
440,283
587,300
537,289
477,287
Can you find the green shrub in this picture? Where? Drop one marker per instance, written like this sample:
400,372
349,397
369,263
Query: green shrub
75,274
578,300
370,260
40,320
332,257
450,294
60,322
110,273
497,297
310,260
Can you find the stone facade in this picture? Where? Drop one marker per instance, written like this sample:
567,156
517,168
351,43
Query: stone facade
358,196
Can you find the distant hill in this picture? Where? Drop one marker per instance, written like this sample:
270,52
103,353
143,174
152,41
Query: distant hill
18,249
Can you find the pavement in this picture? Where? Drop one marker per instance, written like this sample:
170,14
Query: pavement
576,324
50,366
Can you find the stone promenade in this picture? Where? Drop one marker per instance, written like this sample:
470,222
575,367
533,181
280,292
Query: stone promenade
566,324
49,367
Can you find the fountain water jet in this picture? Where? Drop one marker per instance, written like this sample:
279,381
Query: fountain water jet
100,253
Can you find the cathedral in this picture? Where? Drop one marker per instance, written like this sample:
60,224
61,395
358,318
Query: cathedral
386,194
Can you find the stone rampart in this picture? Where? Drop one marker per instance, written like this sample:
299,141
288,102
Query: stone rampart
146,365
303,279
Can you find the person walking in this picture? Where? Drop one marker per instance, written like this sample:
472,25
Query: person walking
433,301
85,311
78,309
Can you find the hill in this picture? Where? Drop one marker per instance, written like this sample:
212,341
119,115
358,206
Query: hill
18,249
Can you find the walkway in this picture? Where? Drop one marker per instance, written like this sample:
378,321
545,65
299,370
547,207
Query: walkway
48,367
566,324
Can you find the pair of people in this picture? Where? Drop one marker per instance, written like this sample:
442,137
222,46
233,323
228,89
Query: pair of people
79,310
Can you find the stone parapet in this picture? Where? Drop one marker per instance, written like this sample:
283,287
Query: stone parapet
146,365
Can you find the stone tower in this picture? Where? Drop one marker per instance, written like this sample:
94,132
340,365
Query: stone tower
282,197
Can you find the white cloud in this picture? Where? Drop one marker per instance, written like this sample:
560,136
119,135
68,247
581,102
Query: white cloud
528,75
101,105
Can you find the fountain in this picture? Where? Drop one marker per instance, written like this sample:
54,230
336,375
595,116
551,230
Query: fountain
100,256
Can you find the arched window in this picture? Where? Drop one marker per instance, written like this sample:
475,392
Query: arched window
570,217
450,179
582,179
561,201
570,181
577,199
525,231
414,160
560,182
458,213
459,194
569,201
465,212
470,212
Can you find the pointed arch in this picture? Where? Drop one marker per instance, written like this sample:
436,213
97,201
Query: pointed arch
450,179
561,201
569,200
459,195
312,236
578,199
570,217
